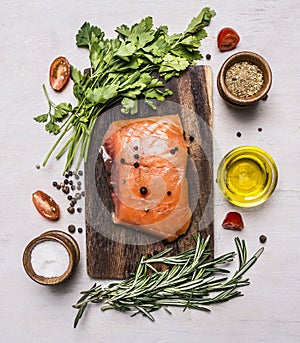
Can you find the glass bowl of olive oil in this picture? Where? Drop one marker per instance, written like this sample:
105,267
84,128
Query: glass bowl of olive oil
247,176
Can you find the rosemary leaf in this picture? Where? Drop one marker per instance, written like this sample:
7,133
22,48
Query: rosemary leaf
190,280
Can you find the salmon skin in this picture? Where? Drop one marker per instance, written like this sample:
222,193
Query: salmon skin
146,161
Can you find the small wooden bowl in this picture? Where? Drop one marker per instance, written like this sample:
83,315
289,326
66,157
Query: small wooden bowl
69,240
69,244
244,56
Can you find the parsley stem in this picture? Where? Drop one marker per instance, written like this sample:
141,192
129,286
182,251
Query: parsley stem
74,147
55,145
121,70
63,149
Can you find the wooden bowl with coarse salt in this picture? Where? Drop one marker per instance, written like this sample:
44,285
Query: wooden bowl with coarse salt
51,258
244,79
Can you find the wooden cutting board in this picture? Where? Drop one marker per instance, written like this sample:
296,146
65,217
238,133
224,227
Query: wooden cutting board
113,250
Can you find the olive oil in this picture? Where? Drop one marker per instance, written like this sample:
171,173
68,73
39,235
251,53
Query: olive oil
247,176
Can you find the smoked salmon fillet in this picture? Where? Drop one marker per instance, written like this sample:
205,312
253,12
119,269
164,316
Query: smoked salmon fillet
146,162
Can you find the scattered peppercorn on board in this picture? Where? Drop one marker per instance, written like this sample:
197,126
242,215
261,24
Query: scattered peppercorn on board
113,250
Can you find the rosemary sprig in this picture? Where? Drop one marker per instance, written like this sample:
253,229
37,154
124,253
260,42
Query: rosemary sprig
191,280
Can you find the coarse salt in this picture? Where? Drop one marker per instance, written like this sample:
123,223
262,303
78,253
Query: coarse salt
49,259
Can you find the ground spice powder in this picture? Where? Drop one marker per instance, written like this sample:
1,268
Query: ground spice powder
244,79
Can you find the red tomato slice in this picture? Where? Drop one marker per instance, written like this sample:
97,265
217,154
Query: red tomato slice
228,39
233,221
45,205
59,73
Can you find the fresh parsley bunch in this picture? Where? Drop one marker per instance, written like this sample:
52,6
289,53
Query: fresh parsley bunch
121,70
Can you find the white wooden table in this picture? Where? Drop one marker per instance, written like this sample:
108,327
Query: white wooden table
33,33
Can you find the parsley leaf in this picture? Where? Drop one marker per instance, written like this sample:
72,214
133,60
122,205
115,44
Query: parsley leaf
202,19
84,35
121,70
101,94
41,118
130,106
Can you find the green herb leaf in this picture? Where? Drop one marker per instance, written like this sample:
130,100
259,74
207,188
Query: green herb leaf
52,128
41,118
61,111
202,19
75,74
188,281
84,35
155,93
102,94
125,50
121,69
129,106
123,31
173,63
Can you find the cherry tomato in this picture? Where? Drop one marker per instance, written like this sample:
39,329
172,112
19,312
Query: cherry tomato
228,39
45,205
59,73
233,221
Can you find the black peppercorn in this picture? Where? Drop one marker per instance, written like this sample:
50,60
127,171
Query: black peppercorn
169,192
136,156
77,196
122,160
73,201
80,172
143,190
79,209
136,165
66,189
80,230
69,197
135,147
58,187
262,239
66,182
54,183
71,210
71,228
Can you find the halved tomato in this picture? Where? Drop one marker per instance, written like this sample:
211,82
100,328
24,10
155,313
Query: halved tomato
59,73
228,39
45,205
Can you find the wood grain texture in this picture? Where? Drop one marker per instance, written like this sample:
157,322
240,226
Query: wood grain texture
113,250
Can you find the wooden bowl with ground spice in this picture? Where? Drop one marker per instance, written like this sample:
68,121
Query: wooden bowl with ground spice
244,79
